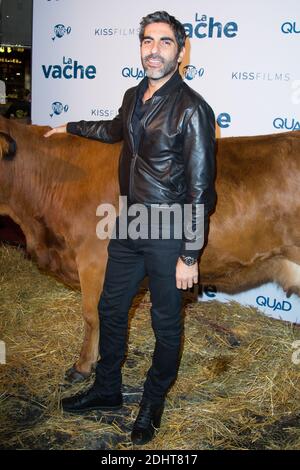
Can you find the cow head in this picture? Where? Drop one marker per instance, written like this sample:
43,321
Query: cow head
8,146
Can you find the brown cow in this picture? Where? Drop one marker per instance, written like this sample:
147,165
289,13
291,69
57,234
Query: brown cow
52,188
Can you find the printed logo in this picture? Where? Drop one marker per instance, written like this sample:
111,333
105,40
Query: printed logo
206,27
107,113
264,76
112,31
285,123
58,108
190,72
70,69
224,120
60,30
133,72
290,27
274,304
208,290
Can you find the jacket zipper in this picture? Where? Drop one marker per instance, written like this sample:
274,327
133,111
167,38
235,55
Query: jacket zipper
132,163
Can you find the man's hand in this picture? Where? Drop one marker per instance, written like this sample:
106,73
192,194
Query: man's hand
57,130
186,276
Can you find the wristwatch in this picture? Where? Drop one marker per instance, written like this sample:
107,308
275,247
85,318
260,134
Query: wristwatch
188,260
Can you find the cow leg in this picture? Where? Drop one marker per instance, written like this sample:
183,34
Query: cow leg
292,253
91,279
283,269
291,270
288,276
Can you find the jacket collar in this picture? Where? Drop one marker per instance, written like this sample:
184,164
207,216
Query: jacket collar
173,83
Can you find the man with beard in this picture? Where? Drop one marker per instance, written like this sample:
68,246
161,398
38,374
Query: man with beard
168,157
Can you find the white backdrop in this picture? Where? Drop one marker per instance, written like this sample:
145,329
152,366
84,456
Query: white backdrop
243,57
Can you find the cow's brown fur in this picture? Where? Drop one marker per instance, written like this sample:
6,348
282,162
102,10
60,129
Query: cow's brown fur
255,228
52,188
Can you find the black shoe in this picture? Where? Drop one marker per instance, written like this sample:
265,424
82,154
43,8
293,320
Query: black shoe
147,422
90,400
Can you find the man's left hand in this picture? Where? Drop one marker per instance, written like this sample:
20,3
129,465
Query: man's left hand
186,276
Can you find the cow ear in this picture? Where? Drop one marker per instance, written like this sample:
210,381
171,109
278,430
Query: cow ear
8,146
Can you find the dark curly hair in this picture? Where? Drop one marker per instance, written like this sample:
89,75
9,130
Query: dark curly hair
164,17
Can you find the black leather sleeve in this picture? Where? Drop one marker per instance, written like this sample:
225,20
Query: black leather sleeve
199,160
109,131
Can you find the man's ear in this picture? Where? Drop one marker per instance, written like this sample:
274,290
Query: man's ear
181,55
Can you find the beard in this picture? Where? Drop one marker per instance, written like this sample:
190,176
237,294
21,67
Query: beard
167,66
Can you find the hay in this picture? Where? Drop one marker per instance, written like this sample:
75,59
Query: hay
238,387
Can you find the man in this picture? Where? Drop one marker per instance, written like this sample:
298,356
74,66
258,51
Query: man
168,157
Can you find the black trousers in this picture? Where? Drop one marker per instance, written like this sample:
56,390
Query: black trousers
129,261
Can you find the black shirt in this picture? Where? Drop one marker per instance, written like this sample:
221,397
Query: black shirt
141,108
139,112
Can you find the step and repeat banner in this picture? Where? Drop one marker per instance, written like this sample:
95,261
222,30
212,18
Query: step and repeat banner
243,57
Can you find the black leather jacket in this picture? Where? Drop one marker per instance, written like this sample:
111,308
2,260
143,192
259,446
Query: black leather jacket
175,158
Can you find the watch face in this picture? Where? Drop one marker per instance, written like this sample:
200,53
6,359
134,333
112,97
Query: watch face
188,260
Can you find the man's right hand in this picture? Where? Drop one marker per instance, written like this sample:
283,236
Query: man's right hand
57,130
